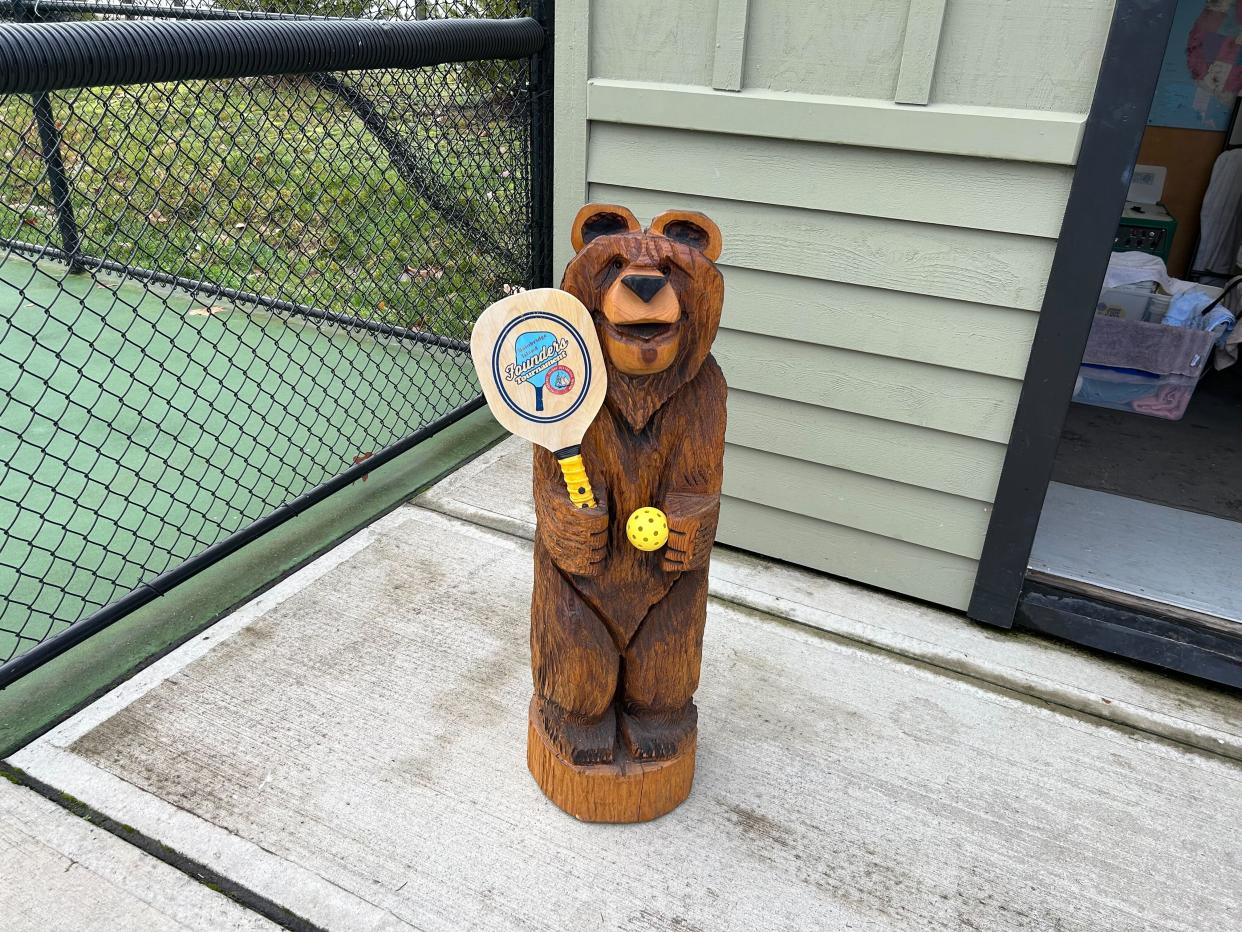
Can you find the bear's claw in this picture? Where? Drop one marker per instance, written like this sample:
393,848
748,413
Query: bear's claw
577,740
651,736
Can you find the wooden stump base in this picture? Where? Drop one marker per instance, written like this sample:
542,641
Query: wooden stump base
624,791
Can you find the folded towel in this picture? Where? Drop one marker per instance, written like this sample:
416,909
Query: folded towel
1220,323
1130,268
1185,309
1135,344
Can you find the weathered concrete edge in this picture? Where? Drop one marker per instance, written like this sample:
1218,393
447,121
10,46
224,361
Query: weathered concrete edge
193,898
174,834
1117,711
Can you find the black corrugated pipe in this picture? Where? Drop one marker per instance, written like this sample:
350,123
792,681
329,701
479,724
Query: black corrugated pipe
38,57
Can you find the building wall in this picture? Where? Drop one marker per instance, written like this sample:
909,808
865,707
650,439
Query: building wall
884,262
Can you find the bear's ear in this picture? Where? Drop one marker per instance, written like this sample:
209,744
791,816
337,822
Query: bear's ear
601,220
689,227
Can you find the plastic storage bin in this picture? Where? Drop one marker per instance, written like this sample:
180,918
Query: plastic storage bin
1146,368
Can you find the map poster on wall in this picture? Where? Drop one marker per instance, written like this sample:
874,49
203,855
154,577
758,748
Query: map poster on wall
1202,70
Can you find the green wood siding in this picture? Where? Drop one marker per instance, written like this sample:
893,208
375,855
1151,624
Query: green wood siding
885,261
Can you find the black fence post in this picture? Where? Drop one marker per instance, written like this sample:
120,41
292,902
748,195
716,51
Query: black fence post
541,152
49,138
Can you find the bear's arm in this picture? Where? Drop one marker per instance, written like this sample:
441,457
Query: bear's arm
576,538
692,499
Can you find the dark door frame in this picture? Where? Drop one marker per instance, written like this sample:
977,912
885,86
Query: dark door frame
1114,129
1003,595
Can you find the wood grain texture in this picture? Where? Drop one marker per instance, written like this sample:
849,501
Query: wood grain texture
622,791
984,194
969,265
987,132
849,48
617,632
487,332
933,459
1040,56
918,51
968,403
902,512
653,40
934,575
730,44
955,334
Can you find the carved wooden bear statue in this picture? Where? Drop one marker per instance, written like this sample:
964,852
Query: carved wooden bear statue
617,632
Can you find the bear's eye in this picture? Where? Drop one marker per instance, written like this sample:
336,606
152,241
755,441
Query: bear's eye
618,263
665,268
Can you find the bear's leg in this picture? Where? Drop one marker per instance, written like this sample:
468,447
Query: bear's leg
575,665
661,672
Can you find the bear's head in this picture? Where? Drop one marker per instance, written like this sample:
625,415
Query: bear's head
655,295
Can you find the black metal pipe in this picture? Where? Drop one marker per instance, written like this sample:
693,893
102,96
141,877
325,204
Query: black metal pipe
95,263
39,9
80,630
40,57
58,181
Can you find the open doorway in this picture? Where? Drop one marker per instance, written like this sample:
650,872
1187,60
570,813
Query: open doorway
1145,506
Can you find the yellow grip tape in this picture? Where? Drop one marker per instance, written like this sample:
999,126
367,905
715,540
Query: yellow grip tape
576,481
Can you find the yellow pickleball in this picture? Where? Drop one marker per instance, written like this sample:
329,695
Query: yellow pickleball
647,528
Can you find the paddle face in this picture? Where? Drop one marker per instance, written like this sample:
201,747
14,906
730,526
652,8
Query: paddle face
540,365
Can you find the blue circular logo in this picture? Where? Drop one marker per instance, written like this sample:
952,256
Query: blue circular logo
539,353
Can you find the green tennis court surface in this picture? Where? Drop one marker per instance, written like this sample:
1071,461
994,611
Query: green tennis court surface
140,425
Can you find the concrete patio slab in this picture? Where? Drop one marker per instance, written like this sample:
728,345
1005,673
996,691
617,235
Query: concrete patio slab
62,873
494,491
351,746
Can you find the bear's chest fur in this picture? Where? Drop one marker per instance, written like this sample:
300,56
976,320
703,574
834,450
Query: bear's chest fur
633,466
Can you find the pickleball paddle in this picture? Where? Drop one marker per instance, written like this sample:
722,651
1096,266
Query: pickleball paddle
541,368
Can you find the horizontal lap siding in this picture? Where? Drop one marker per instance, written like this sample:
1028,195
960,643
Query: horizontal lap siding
951,463
870,558
949,262
985,194
956,334
874,362
884,264
891,509
968,403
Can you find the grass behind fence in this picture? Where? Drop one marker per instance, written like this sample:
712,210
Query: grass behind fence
272,186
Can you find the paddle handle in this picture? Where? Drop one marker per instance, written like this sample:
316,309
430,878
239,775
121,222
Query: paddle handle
576,481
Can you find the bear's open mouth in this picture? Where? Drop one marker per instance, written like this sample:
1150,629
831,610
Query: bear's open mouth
643,333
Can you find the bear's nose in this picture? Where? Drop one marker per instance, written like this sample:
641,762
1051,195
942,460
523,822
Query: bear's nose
645,286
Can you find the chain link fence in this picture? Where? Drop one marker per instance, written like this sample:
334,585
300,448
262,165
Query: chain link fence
222,299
